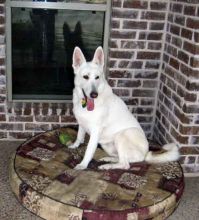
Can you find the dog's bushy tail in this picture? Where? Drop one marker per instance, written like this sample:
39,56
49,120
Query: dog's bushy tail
171,154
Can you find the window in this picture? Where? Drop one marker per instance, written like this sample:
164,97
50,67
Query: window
41,36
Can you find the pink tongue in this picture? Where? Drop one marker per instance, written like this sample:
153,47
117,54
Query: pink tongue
90,104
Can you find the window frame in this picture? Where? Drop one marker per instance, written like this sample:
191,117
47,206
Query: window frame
106,8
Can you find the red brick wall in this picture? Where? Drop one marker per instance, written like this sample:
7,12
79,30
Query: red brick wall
177,116
136,45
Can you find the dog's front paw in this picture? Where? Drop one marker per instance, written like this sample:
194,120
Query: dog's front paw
73,146
114,166
80,167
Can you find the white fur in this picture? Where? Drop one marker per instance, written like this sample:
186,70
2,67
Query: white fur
110,123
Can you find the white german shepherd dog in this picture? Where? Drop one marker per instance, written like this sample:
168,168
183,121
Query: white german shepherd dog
106,118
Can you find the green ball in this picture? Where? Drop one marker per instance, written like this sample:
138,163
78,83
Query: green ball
65,139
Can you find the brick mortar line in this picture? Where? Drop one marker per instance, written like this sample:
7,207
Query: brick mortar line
131,90
135,88
139,15
190,137
135,60
140,9
134,79
141,87
132,70
44,122
137,49
129,69
134,50
138,29
148,9
149,21
126,39
144,115
137,41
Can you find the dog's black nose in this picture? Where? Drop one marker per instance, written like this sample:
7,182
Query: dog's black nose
94,95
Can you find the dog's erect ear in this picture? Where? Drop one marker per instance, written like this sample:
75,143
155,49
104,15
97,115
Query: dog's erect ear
66,30
78,28
78,58
99,57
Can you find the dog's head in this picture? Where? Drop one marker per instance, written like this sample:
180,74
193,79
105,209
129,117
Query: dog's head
89,76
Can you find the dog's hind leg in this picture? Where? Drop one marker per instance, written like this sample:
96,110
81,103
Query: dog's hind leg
109,159
110,149
122,159
120,164
131,147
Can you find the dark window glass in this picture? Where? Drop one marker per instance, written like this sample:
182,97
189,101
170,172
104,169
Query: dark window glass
43,41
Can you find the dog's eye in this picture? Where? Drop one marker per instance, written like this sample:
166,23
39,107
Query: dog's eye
86,77
97,77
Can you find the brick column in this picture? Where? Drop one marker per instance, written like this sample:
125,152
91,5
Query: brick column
2,69
177,116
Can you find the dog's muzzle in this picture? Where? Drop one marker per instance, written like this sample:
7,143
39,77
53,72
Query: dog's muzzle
93,95
89,102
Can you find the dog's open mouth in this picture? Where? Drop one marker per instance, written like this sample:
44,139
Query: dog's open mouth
90,104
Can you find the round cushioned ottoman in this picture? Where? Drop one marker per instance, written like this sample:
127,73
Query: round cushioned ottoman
44,181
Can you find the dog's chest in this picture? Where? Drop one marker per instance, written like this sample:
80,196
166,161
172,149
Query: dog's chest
89,119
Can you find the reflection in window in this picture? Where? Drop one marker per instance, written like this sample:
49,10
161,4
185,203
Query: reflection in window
43,41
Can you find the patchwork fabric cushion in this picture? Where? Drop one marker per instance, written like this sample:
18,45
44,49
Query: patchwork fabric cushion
43,179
